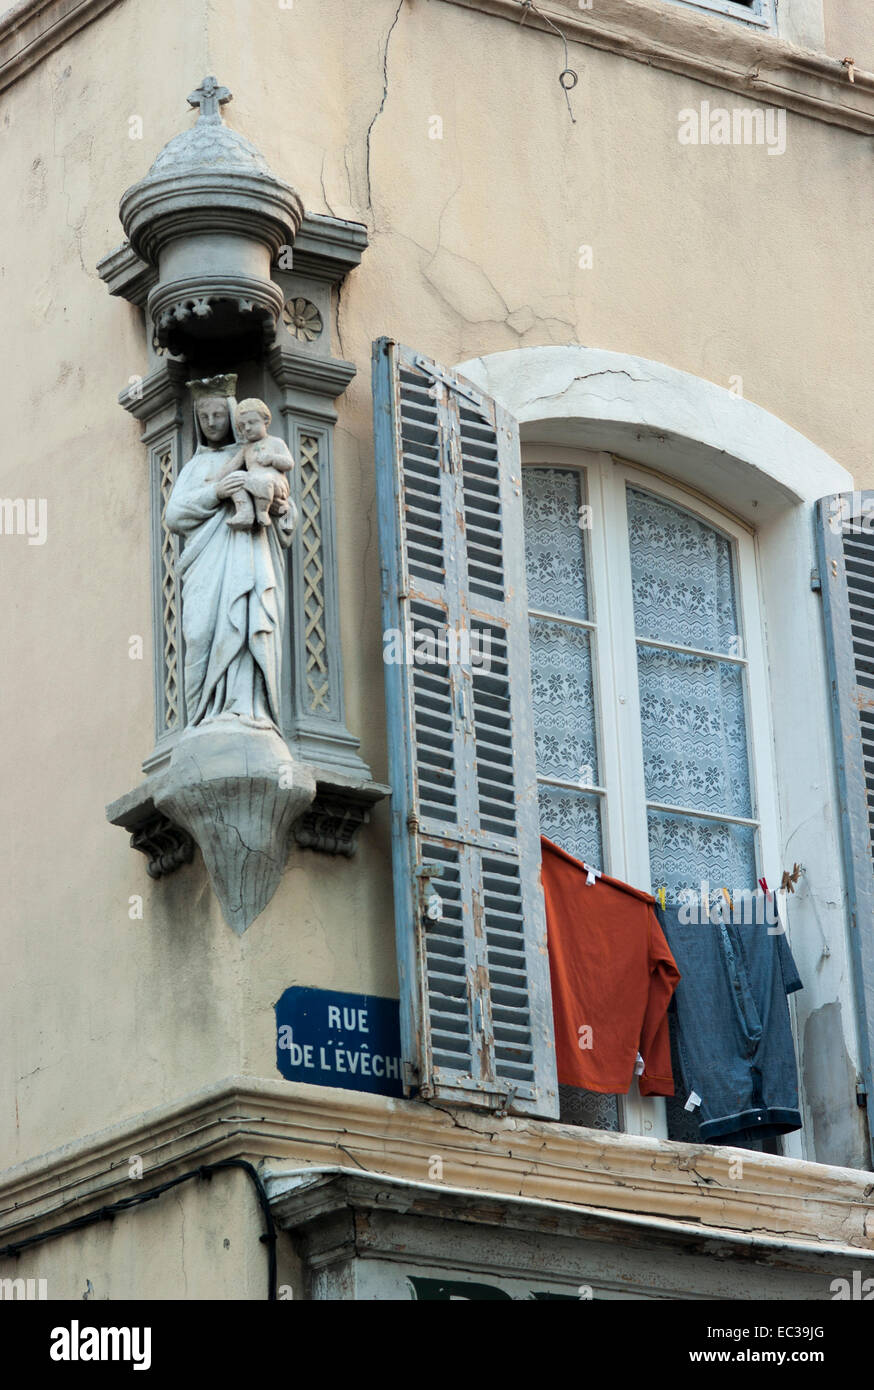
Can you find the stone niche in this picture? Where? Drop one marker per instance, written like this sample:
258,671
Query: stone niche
235,283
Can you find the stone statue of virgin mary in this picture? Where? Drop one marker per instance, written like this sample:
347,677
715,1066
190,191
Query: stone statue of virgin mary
234,582
232,781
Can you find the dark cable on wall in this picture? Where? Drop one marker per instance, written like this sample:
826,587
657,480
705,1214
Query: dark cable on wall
205,1171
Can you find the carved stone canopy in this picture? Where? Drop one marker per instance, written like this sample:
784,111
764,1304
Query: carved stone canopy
210,217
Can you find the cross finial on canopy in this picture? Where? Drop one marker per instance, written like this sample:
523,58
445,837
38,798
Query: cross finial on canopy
209,96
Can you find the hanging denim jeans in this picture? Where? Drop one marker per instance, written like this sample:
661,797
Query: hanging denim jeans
734,1036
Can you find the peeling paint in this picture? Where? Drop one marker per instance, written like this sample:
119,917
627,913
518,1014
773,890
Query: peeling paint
838,1130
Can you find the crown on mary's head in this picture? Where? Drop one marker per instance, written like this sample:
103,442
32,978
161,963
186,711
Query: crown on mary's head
225,385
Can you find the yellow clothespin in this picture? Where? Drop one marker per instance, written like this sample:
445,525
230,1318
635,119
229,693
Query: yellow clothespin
662,896
727,896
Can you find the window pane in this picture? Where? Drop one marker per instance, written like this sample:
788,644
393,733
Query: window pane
694,732
585,1108
681,571
684,850
555,559
573,821
561,691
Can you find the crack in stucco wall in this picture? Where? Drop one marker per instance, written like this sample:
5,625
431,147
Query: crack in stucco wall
379,110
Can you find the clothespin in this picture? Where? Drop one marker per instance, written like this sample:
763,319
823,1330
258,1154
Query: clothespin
763,884
790,879
727,896
661,894
591,874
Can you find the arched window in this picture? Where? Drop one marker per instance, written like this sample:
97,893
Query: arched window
647,673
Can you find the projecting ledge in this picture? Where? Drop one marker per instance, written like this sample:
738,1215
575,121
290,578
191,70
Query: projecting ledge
329,825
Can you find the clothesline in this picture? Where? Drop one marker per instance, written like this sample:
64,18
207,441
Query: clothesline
787,885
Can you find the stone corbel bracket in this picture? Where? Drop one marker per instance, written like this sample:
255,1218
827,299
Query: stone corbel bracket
166,846
330,825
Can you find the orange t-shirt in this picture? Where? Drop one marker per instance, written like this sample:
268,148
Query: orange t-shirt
613,976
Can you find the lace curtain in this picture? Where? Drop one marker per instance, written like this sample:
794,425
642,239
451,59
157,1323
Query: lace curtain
693,721
561,660
554,555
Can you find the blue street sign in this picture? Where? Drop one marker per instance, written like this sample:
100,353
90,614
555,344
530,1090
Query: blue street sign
332,1039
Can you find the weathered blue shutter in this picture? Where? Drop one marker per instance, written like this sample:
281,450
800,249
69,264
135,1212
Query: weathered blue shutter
476,1013
845,536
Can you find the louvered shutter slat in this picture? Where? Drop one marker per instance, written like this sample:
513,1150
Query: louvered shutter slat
476,1017
845,541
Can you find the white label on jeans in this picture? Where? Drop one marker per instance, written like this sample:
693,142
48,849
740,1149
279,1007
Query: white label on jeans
694,1099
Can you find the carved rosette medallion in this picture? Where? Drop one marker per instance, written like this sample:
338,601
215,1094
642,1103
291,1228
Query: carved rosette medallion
302,319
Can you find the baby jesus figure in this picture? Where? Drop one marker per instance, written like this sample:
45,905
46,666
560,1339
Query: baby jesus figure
265,460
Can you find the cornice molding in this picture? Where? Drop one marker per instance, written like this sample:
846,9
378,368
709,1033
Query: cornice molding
126,276
708,50
153,395
324,376
35,28
704,49
302,1200
325,248
289,1126
156,211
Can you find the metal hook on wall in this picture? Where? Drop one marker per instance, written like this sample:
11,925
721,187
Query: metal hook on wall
568,77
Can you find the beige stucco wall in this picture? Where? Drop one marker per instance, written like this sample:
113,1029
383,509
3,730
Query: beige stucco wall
718,261
715,260
849,31
198,1241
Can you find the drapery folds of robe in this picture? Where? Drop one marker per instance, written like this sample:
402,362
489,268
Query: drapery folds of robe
233,598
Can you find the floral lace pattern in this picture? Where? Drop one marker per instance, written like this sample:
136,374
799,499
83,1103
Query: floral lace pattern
562,689
694,732
563,699
554,555
683,851
681,575
692,708
572,821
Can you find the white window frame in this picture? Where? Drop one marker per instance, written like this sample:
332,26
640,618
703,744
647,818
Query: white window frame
761,14
616,693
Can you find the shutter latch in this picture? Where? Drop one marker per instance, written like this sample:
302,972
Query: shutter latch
429,900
